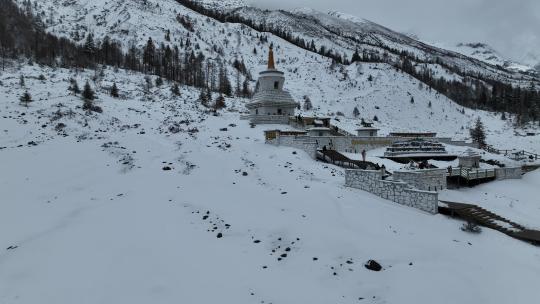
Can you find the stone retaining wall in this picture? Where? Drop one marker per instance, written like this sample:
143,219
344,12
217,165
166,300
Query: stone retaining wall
508,173
428,179
303,143
268,119
399,192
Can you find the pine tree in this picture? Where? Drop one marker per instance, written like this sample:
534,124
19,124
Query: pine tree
21,81
375,118
159,82
88,96
478,134
370,78
114,91
89,45
246,92
88,93
26,98
238,90
503,116
224,83
149,54
429,104
203,99
307,103
356,112
412,99
355,56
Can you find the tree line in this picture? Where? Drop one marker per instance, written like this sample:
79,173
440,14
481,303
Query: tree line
22,34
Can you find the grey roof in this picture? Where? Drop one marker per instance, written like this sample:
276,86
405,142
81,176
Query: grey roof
271,98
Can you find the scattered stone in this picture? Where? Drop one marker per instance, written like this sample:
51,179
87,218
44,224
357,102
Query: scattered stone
167,168
219,235
12,247
315,258
373,265
244,173
223,129
256,241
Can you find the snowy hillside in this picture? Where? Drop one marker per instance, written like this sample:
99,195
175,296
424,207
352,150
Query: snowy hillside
135,21
156,200
331,88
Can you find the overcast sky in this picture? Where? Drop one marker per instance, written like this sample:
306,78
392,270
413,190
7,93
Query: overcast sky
511,26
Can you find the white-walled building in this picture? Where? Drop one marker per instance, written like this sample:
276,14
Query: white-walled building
367,129
271,104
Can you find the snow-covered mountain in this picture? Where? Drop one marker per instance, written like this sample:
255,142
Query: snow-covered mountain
486,53
532,58
133,22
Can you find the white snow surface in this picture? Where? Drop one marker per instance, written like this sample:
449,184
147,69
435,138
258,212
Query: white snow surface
90,216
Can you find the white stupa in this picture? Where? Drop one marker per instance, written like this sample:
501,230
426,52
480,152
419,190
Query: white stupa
270,103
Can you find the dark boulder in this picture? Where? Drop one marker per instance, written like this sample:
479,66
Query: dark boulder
373,265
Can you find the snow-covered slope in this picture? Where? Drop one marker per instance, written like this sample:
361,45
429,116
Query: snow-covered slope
89,215
133,22
331,88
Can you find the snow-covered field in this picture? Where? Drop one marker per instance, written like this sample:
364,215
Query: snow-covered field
89,215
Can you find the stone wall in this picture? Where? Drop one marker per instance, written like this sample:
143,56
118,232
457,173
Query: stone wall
428,179
396,191
303,143
268,119
353,144
508,173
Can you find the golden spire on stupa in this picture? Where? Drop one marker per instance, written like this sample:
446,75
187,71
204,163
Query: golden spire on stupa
271,64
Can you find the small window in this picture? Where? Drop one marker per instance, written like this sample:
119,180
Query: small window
256,111
276,85
279,111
